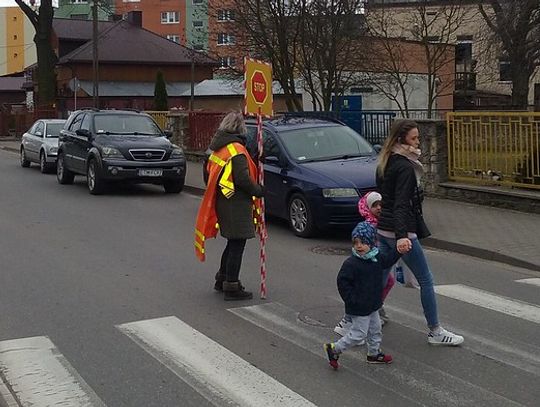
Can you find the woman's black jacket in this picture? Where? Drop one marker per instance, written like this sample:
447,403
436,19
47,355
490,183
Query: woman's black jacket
401,197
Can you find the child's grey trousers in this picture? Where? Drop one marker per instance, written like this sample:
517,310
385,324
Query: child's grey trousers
364,329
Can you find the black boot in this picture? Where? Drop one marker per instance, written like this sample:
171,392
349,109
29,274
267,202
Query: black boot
220,278
235,292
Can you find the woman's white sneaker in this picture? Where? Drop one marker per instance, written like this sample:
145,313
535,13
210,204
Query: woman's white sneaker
445,338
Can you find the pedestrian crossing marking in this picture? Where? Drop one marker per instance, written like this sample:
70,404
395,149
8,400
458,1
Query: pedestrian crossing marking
485,299
424,389
40,376
531,281
219,375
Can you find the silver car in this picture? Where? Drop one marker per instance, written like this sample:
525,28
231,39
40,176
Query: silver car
40,144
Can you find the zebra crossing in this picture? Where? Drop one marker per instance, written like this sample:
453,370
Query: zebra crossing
33,371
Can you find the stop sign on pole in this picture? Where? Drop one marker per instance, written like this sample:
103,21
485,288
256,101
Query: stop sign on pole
258,97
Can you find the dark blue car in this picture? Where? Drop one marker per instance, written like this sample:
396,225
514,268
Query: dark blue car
315,172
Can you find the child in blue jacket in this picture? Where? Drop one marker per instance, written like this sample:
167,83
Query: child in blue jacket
360,285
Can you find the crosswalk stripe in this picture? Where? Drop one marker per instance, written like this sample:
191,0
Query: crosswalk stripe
481,298
216,373
424,389
531,281
40,376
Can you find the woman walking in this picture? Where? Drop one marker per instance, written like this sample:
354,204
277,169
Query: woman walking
398,178
229,203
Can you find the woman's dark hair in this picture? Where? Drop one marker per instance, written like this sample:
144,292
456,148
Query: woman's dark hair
399,130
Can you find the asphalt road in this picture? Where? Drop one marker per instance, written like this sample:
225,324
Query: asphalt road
119,312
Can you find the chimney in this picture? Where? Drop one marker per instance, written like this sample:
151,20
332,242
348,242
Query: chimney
135,18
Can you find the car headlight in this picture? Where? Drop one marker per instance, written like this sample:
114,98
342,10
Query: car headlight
339,193
111,152
53,150
177,152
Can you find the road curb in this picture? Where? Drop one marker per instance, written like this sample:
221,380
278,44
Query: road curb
477,252
6,148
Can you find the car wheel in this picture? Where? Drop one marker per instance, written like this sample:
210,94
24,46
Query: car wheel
24,161
96,184
63,175
44,166
173,186
300,216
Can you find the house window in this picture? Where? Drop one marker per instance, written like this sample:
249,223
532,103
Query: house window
195,2
79,1
464,55
131,1
225,15
227,62
197,23
225,39
174,37
504,70
170,17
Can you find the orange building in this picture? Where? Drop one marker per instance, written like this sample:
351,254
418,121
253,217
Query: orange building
223,36
165,18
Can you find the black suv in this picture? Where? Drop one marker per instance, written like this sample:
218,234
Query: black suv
118,145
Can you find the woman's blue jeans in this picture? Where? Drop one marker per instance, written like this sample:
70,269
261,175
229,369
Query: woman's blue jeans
416,261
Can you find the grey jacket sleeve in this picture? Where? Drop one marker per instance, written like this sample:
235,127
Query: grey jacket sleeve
241,177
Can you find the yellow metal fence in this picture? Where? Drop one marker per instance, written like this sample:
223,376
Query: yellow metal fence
500,148
160,117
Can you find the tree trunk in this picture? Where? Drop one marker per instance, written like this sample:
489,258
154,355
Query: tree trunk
520,86
46,58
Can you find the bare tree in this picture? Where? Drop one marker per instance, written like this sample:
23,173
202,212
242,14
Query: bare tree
46,57
437,30
435,27
332,48
270,30
515,26
390,71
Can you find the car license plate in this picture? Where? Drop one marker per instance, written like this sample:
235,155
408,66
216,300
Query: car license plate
150,173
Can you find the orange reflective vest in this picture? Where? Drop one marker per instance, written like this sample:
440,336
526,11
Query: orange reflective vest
220,176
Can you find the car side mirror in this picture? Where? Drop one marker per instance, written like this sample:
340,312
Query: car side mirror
377,148
272,159
39,134
83,133
168,133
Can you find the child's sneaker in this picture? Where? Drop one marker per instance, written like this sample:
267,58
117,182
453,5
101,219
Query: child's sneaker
379,358
343,327
333,356
383,316
445,338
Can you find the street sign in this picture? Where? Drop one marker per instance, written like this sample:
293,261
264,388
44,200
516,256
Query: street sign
258,85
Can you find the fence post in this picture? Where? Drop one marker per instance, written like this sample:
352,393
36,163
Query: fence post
179,125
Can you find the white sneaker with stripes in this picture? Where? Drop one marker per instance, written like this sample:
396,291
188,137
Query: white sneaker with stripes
445,338
343,327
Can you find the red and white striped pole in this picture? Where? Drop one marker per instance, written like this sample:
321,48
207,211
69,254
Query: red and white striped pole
262,227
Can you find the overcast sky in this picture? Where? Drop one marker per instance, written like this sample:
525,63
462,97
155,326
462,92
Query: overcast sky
4,3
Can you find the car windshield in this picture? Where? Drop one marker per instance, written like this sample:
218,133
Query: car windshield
125,124
53,129
325,143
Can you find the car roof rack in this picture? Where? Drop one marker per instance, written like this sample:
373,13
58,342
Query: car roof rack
324,116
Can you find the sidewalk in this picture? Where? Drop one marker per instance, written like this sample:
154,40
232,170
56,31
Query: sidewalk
501,235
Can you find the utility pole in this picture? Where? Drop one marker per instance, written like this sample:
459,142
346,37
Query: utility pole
95,59
192,94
